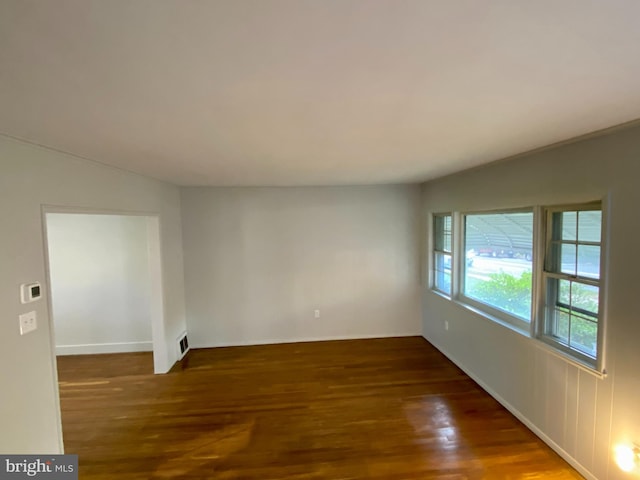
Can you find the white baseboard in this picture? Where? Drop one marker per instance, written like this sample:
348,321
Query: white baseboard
516,413
273,341
87,349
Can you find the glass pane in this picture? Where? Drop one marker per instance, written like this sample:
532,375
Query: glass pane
569,225
589,261
447,233
438,233
447,242
584,335
442,273
590,226
585,298
498,261
564,293
500,235
442,232
568,258
560,327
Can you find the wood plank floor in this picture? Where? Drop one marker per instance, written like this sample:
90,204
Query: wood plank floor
363,409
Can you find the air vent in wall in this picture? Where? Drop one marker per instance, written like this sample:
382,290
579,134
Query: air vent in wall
183,345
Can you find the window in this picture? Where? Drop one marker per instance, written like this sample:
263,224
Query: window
498,264
442,236
494,270
571,281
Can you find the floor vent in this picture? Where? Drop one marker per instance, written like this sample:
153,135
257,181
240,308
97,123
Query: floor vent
183,345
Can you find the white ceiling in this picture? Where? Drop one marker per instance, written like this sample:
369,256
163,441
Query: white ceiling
313,92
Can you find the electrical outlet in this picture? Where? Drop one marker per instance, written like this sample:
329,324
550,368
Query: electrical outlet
446,324
28,322
316,313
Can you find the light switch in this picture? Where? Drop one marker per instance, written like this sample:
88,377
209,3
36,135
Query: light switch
28,322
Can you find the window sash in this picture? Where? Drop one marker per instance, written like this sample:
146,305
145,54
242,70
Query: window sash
495,310
553,274
442,238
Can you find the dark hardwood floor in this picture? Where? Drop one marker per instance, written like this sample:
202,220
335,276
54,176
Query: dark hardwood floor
363,409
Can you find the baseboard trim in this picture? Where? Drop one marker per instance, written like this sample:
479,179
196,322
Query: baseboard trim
516,413
92,348
272,341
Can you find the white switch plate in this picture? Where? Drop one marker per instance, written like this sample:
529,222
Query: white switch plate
28,322
316,313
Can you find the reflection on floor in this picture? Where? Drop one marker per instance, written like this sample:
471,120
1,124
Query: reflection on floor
359,409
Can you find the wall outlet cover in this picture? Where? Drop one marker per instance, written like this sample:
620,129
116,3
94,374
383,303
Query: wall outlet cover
28,322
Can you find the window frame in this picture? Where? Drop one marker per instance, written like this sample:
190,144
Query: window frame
434,251
593,363
535,328
494,313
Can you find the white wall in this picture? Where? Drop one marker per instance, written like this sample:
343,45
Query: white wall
100,283
582,415
29,178
259,261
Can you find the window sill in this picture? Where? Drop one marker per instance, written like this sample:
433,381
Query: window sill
440,294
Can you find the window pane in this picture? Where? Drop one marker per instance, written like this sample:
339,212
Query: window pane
438,233
506,235
558,310
564,293
561,325
589,261
442,232
589,226
568,256
584,335
499,273
442,273
569,225
562,258
585,298
572,317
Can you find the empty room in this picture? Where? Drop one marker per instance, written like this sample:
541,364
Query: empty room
305,239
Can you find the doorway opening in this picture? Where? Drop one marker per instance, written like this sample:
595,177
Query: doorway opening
104,280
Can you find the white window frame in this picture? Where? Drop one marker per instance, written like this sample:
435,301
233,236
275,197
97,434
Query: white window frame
542,233
595,363
435,251
493,313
